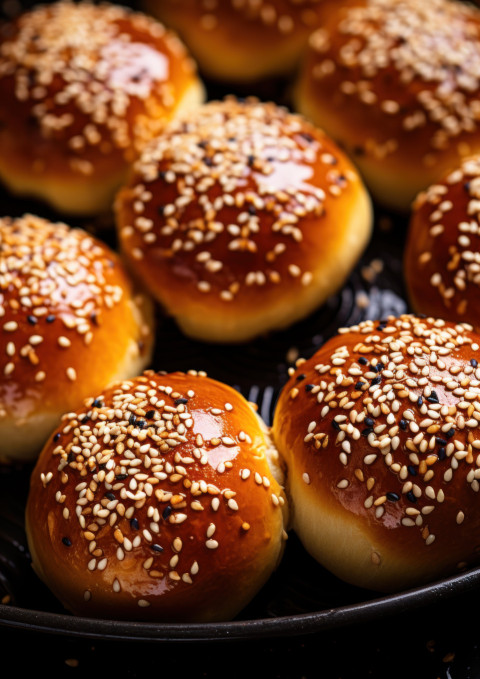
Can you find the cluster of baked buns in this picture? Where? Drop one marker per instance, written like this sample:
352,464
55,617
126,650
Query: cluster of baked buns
165,496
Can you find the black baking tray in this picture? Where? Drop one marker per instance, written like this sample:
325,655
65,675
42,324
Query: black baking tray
301,597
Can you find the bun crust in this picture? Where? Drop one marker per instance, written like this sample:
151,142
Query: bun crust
397,85
442,253
69,324
255,40
82,88
379,432
242,219
172,515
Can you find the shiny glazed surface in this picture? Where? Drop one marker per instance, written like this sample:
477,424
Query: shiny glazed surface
156,502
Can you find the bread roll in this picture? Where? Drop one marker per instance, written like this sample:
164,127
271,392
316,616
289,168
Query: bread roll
156,501
241,42
379,431
242,219
397,85
442,255
69,324
82,87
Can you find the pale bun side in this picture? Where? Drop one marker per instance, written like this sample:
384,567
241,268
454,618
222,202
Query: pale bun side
255,40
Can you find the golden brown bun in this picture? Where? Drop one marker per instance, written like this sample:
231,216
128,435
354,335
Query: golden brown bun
171,512
241,42
379,431
397,85
69,325
242,219
82,88
442,255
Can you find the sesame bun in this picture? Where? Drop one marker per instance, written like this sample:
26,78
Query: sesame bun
69,324
242,219
255,39
442,255
82,87
173,514
379,431
397,84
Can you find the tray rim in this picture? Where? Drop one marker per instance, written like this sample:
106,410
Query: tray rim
46,622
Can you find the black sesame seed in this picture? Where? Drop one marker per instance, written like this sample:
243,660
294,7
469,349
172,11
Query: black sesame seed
440,442
85,419
335,425
132,419
97,403
363,360
134,523
121,477
309,387
420,401
450,433
442,453
306,136
403,425
359,385
411,496
167,511
67,542
141,424
50,318
474,363
412,470
300,377
367,431
157,548
136,77
369,422
32,320
252,210
393,497
180,401
56,436
376,380
149,414
110,496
